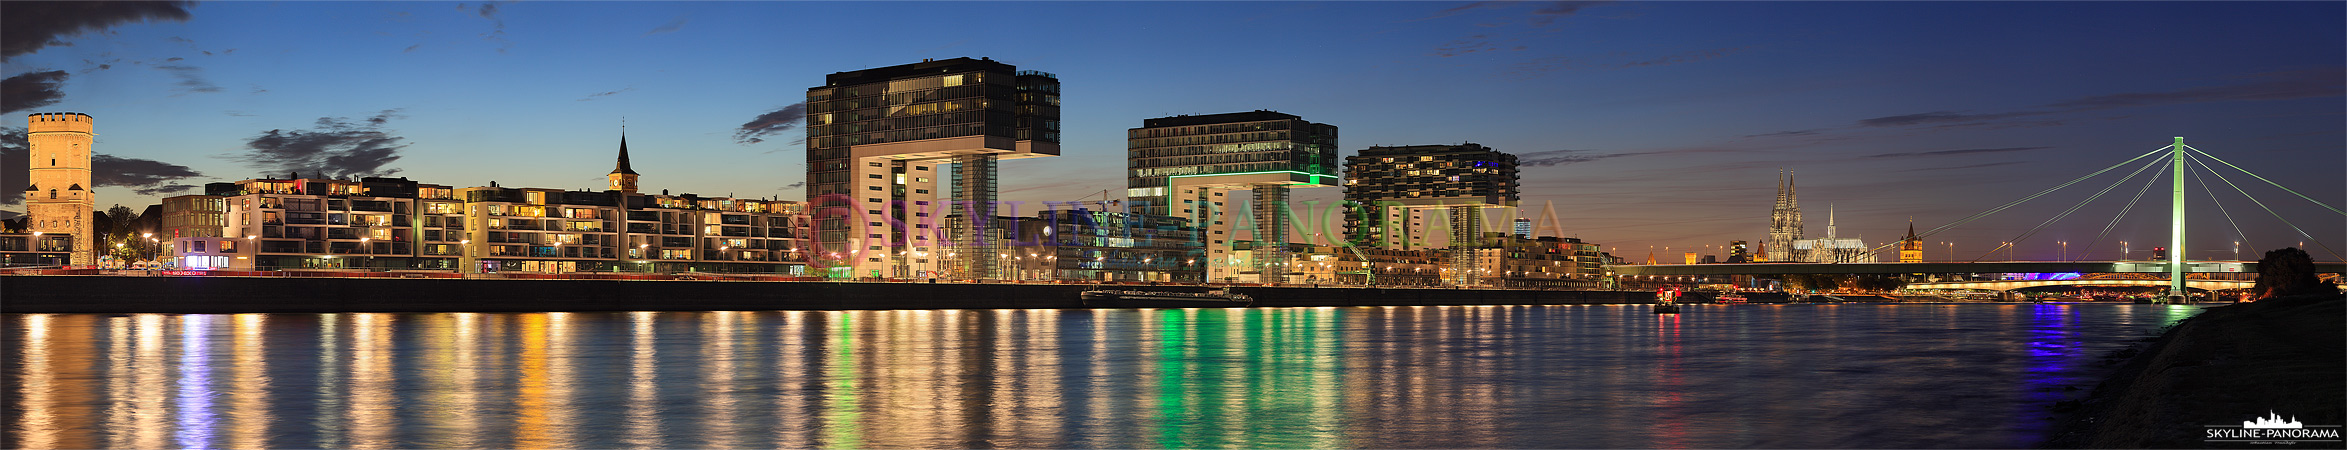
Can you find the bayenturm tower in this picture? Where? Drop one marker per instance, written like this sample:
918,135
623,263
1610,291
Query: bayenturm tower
59,200
1784,220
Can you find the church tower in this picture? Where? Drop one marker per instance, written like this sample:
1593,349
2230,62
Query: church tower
623,178
1911,247
59,200
1784,221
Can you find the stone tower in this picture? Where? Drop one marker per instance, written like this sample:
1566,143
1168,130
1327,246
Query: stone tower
623,178
1911,247
59,200
1784,221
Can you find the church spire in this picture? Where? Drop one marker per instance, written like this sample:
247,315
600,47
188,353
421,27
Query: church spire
623,177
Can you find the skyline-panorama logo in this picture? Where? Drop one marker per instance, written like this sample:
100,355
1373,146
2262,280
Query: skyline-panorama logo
2272,429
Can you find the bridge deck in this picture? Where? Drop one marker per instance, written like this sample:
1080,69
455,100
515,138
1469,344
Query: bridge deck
1952,267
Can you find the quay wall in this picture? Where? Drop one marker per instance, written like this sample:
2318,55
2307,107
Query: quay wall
133,294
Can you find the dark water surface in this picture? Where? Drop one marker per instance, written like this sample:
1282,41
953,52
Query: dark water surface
1873,376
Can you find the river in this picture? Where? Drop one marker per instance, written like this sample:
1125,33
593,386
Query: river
1717,376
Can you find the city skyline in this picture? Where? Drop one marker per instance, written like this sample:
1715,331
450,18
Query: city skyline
1647,124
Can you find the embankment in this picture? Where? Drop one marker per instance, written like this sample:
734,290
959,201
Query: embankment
2285,356
113,294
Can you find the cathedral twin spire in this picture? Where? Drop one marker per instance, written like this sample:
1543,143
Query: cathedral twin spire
1784,220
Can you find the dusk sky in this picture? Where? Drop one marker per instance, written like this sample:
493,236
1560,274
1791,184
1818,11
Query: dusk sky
1645,123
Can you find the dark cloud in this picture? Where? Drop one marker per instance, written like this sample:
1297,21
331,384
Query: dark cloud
336,147
488,10
767,124
795,185
15,165
1558,10
411,48
1563,157
669,27
1939,117
607,94
146,177
1957,152
1786,133
191,78
1973,166
2286,85
1472,44
31,90
2289,85
26,27
1453,11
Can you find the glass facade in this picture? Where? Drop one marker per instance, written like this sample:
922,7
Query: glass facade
866,215
1257,141
1422,175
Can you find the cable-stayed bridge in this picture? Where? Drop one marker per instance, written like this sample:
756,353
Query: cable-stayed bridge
2180,160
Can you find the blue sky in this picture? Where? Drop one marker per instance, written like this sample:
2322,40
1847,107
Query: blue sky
1652,123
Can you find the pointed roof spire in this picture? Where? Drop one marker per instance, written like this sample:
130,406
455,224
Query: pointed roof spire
623,165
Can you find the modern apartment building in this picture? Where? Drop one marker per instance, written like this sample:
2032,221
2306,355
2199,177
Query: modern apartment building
879,144
1187,166
1399,196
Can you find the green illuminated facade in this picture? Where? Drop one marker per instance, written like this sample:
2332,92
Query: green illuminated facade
1185,166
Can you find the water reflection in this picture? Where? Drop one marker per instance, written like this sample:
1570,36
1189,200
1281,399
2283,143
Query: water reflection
1398,377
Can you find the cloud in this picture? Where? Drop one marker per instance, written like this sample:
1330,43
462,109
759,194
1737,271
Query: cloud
669,27
1453,11
2287,85
1974,166
15,165
1558,10
1563,157
1938,117
26,27
1957,152
795,185
1786,133
767,124
606,94
1472,44
31,90
489,10
191,78
412,48
2284,85
336,147
146,177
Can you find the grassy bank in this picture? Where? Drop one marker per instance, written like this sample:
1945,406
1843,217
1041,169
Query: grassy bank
2232,363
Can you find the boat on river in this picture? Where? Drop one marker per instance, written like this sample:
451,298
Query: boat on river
1666,300
1219,298
1730,299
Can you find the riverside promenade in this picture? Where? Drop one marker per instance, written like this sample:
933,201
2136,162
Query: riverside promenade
2231,364
236,294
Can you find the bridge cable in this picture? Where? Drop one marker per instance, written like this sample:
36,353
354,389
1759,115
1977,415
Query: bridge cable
2259,178
2212,195
2098,238
2277,216
2082,203
1982,214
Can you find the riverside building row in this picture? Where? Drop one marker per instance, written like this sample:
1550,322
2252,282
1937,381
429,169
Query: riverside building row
397,224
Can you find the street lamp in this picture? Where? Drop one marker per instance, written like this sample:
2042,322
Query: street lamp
370,252
2065,251
2125,252
2236,250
